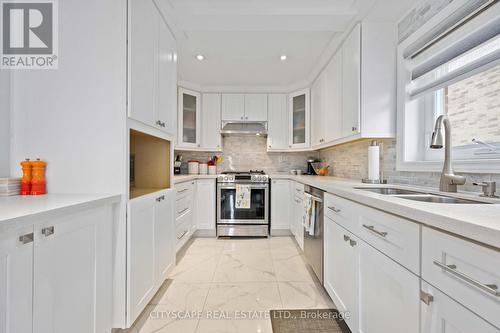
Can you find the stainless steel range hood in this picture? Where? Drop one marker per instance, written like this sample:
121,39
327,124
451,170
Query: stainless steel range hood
244,128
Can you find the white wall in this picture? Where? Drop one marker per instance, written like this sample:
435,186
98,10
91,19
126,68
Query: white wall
4,122
74,117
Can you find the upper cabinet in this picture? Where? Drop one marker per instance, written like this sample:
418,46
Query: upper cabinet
153,68
299,119
277,133
210,122
189,118
244,107
355,95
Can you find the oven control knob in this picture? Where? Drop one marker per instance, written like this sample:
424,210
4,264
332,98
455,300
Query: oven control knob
226,178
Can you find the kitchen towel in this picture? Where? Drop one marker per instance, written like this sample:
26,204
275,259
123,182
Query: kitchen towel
242,196
310,220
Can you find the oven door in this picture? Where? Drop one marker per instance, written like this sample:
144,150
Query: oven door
258,212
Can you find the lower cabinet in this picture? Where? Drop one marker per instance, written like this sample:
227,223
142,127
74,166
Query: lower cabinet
388,294
205,204
298,220
56,276
150,248
280,205
341,253
441,314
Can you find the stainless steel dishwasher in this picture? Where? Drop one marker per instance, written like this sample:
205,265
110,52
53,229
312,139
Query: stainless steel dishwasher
313,243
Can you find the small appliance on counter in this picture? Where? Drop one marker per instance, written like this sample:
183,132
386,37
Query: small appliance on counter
177,165
310,167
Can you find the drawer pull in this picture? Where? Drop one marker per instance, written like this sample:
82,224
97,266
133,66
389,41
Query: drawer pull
160,198
346,238
452,269
26,239
182,235
182,211
183,190
48,231
336,210
372,229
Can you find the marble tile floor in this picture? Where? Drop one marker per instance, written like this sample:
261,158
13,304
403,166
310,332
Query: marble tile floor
229,285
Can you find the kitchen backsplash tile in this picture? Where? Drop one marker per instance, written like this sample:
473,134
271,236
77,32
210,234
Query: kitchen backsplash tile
250,153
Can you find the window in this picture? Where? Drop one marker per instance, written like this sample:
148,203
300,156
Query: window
456,72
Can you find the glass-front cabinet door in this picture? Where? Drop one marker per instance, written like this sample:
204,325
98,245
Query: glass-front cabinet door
299,119
189,118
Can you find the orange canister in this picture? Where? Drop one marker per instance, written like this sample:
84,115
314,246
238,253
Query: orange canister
26,178
38,182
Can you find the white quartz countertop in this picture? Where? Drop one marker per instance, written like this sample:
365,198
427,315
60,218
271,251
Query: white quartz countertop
478,222
15,210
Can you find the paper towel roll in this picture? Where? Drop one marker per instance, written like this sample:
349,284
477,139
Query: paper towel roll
374,161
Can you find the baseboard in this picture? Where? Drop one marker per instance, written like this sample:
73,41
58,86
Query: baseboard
202,233
281,232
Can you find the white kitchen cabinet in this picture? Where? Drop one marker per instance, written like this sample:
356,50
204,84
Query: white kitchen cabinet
164,233
185,207
332,115
72,273
167,80
189,118
256,107
441,314
150,217
205,204
280,205
277,133
211,122
143,35
153,68
385,288
299,119
351,82
233,107
16,281
341,260
318,110
297,193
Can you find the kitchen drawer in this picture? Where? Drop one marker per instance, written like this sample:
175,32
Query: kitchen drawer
182,230
396,237
184,189
467,272
342,211
184,217
443,314
183,206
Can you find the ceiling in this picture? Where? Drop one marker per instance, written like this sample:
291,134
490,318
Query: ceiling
242,40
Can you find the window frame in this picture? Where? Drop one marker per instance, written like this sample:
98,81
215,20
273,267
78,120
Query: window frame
406,143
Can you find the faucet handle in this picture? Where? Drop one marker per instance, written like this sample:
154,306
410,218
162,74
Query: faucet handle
489,189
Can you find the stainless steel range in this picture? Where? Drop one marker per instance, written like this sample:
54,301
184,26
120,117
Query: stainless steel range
253,219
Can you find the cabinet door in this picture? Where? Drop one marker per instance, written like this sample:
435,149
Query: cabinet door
211,122
277,136
441,314
299,119
386,287
233,107
341,257
167,81
164,235
205,204
317,111
141,277
144,21
72,273
256,107
299,211
189,118
16,281
332,115
280,204
351,82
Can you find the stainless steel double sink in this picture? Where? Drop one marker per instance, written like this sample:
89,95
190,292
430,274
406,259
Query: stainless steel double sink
419,196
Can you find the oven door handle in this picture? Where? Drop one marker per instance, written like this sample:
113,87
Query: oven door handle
252,187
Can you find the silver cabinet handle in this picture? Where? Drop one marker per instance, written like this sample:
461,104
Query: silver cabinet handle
26,239
182,211
182,191
346,238
452,269
48,231
182,235
426,298
372,229
335,209
160,198
353,243
160,123
354,129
